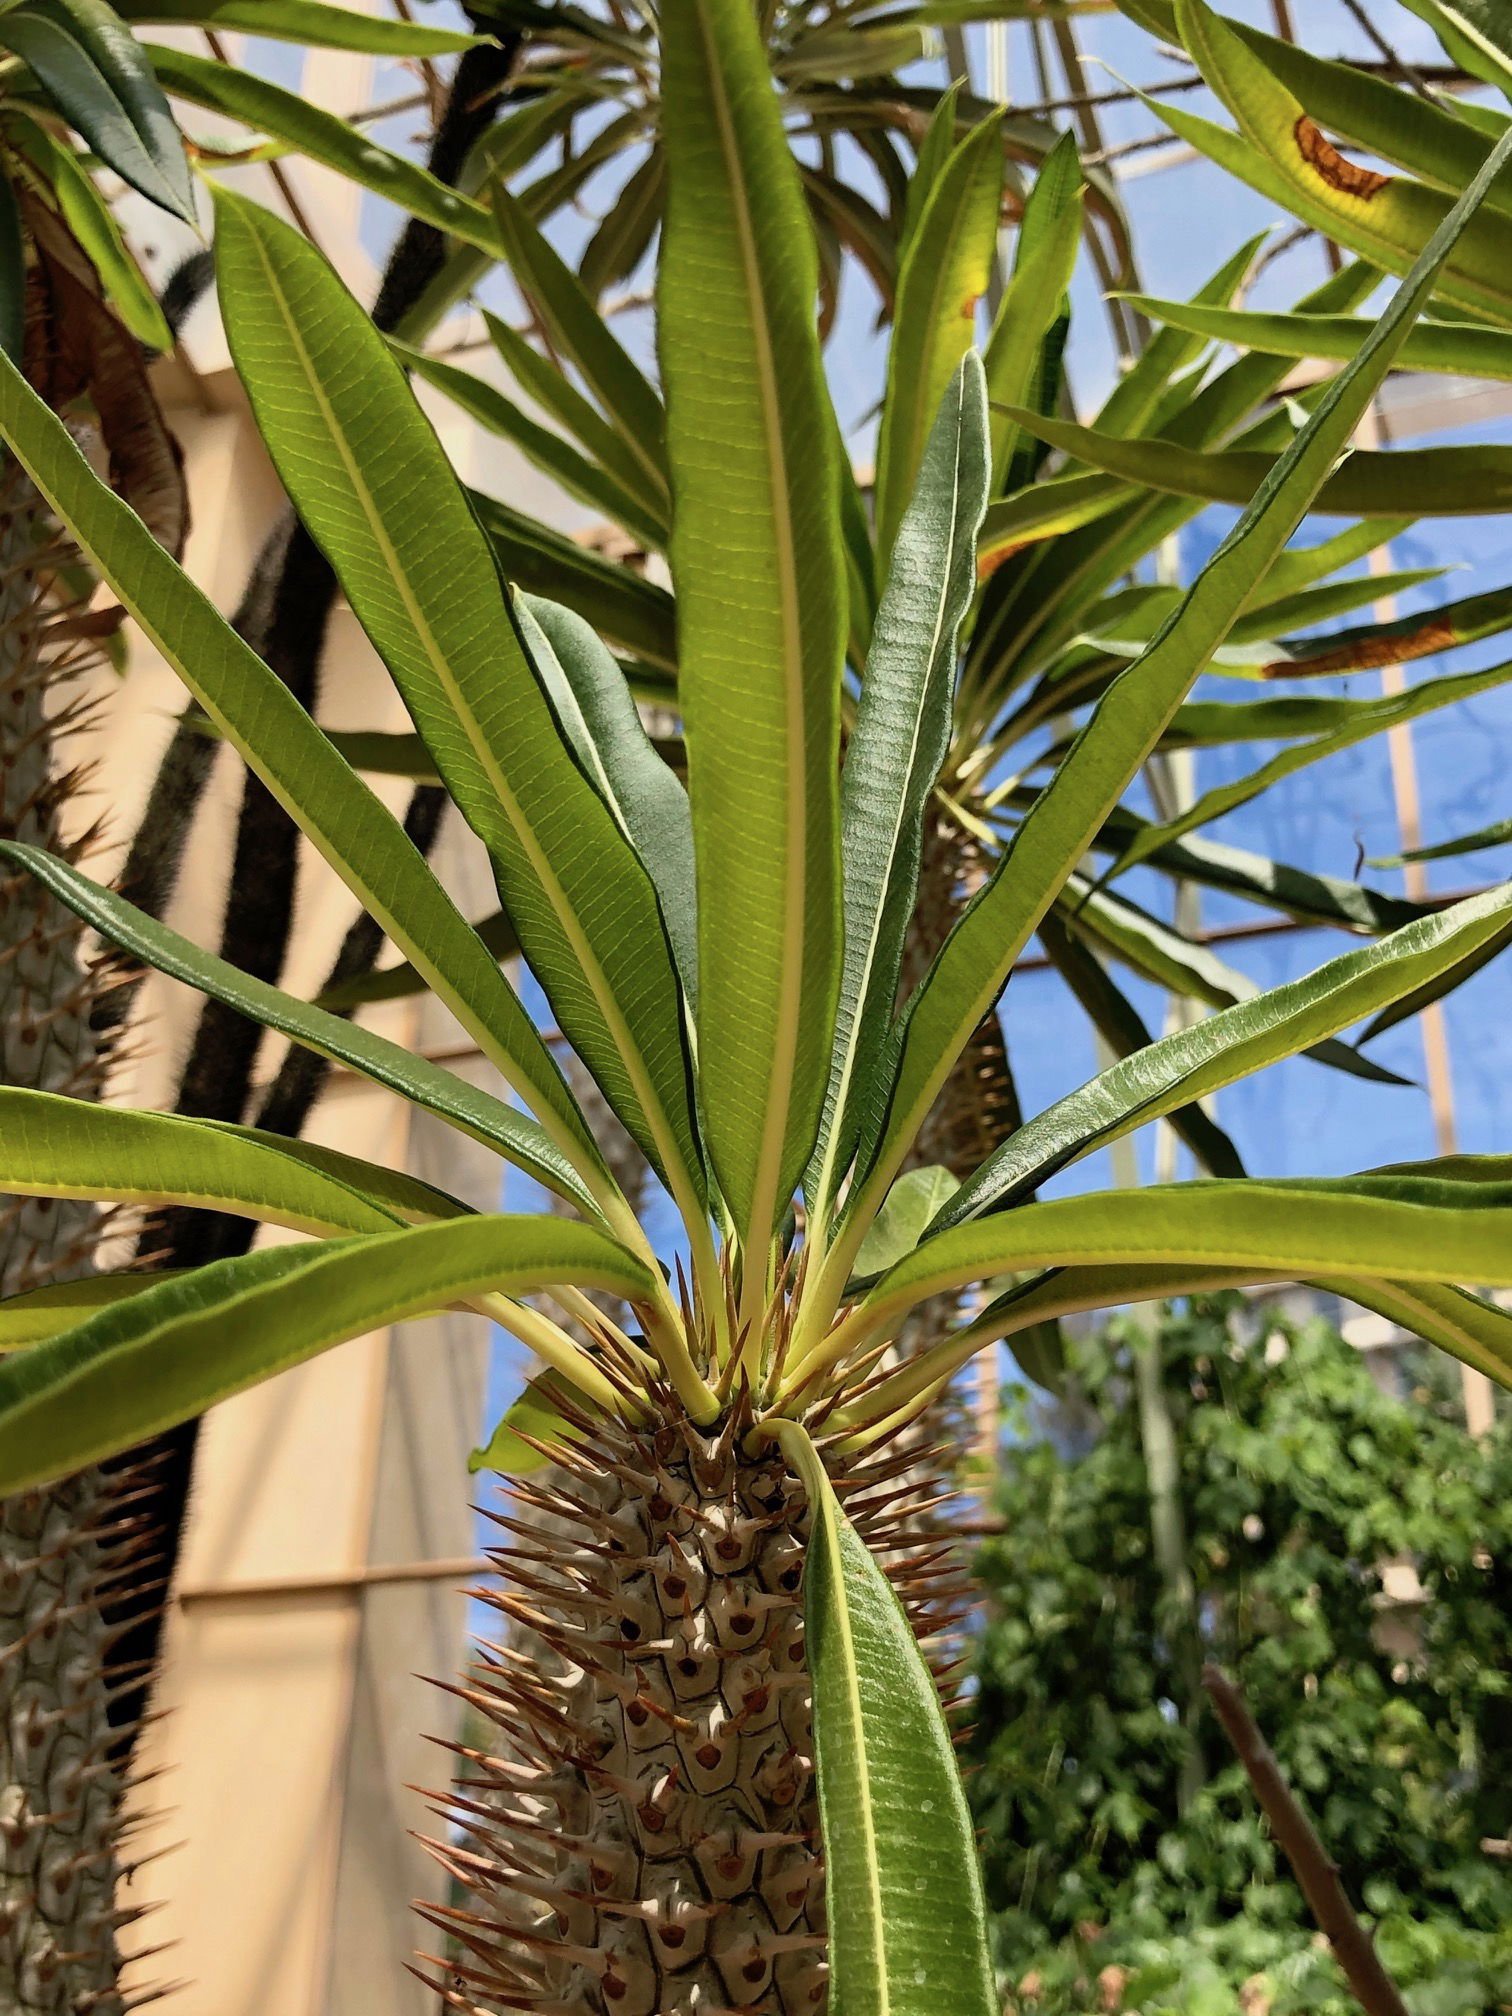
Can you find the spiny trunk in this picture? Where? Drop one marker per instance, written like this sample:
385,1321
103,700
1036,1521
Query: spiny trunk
642,1837
978,1105
60,1548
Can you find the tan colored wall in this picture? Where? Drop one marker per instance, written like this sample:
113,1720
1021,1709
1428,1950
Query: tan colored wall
294,1718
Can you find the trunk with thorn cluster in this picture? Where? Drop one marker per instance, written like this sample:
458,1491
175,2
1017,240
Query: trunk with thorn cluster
641,1835
63,1549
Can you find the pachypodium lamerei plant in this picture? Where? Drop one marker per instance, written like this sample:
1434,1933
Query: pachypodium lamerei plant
717,1802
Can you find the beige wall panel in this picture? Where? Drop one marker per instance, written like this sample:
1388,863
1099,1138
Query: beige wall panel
411,1633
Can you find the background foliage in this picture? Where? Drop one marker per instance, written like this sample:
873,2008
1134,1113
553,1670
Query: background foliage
1300,1479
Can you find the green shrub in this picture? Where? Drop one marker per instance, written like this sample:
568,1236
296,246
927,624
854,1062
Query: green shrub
1300,1479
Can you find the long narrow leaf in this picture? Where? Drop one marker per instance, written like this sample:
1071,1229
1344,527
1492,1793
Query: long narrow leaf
1343,1226
907,1919
758,566
46,1312
898,744
514,1135
311,23
283,115
578,476
52,1146
1122,1028
1459,349
944,274
634,614
581,333
1193,1063
161,1357
1374,718
1434,482
98,76
601,722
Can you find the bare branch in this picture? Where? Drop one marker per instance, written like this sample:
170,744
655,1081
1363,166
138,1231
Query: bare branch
1353,1946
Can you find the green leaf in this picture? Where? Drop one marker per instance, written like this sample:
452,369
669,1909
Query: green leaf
45,1312
96,73
1461,349
575,327
1132,407
1499,834
974,962
1347,1227
1193,1063
1477,1332
514,1135
549,386
1276,885
632,613
601,723
895,751
1220,724
537,1413
1300,566
356,833
1433,482
59,1147
917,1197
1045,511
932,151
1267,617
268,108
758,566
1044,258
1184,966
368,476
1017,634
1386,218
309,22
92,222
1436,986
578,476
1474,33
1373,717
944,273
627,228
183,1345
1122,1028
907,1919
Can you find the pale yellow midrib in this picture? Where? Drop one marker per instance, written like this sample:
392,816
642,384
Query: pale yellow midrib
523,830
868,1824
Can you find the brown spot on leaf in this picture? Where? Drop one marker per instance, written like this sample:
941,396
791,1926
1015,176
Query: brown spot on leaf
1368,654
1336,169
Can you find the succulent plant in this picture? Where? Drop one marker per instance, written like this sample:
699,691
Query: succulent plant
708,1798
